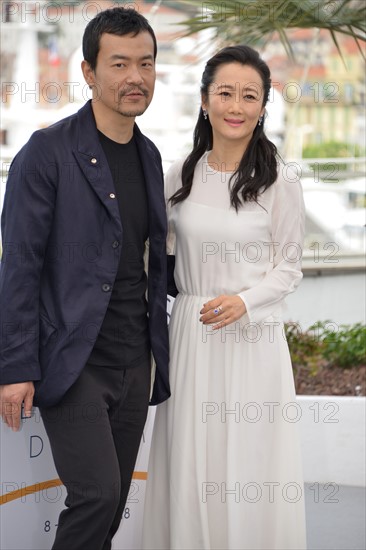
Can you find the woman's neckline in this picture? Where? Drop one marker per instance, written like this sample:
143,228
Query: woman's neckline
205,158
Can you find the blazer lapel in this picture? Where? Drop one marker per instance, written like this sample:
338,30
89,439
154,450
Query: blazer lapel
93,163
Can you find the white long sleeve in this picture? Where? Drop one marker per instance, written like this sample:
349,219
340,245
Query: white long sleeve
287,226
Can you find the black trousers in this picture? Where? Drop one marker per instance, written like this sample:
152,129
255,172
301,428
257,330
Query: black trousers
95,433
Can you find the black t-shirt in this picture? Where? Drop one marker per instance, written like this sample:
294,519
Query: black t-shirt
123,340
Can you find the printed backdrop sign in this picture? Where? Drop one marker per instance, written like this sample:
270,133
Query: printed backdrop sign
32,496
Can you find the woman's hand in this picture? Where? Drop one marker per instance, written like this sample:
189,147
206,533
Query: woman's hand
222,311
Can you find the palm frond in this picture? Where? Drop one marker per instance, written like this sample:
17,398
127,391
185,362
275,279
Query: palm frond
336,43
254,21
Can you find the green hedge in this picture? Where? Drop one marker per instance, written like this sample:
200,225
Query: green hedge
327,343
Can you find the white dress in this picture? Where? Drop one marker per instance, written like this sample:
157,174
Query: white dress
225,468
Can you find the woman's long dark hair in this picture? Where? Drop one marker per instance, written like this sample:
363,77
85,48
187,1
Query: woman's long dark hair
258,167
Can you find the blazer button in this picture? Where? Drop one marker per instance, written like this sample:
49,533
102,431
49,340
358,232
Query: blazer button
112,196
106,287
93,161
115,244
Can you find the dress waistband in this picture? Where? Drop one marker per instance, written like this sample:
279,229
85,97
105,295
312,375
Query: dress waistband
197,296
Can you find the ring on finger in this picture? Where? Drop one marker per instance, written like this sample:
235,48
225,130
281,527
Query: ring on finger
217,310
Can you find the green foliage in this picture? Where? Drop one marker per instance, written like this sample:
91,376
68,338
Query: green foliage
254,22
326,343
305,348
345,346
332,149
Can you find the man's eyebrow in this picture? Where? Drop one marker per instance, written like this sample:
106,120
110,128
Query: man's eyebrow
119,56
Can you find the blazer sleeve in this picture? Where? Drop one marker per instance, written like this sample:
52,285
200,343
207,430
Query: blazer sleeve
284,275
26,221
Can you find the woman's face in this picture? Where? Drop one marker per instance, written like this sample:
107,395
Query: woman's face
234,103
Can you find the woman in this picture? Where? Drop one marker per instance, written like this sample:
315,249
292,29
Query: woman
225,469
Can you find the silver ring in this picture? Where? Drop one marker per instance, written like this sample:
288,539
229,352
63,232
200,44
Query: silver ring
217,310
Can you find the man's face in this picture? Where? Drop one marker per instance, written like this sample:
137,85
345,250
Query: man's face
124,78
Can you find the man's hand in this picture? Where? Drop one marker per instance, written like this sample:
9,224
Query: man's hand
11,398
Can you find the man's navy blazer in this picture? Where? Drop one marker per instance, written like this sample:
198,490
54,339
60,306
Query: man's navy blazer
62,236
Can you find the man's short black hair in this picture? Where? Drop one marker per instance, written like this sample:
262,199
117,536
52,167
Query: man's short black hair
119,21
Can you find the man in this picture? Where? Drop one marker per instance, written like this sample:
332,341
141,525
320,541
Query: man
82,198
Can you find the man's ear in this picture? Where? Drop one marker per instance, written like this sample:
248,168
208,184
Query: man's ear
88,73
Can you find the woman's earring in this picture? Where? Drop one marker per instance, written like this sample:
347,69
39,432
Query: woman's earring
204,114
260,120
